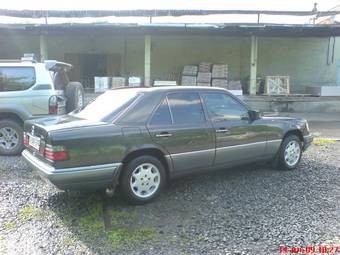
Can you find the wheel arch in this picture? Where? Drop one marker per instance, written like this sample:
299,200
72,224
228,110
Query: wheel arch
11,116
296,132
14,112
152,151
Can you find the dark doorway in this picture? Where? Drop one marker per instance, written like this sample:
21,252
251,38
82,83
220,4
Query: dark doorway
88,66
92,65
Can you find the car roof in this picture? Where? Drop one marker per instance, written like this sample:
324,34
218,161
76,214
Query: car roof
17,64
169,89
51,65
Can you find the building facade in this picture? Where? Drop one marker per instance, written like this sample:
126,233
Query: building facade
310,57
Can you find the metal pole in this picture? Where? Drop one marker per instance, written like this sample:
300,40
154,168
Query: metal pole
124,71
147,61
43,48
253,65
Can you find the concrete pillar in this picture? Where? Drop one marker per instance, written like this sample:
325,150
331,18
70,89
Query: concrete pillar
123,69
253,65
147,60
338,72
43,48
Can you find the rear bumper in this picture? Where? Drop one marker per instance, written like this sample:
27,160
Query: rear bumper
307,141
77,178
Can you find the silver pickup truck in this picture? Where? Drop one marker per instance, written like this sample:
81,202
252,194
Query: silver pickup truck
31,89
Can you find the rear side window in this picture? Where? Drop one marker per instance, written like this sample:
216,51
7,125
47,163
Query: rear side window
16,78
162,115
186,108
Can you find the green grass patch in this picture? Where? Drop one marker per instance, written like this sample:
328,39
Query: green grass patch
69,241
118,217
30,212
85,216
320,141
119,237
92,221
9,225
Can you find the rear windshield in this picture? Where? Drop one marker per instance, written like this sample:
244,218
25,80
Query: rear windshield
109,104
16,78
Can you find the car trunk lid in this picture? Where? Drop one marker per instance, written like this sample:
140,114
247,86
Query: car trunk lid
37,133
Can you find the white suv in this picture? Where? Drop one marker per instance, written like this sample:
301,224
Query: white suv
29,89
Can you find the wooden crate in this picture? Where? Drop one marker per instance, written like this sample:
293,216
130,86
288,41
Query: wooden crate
277,85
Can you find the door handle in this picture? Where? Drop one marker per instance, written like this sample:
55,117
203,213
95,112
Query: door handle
222,130
164,134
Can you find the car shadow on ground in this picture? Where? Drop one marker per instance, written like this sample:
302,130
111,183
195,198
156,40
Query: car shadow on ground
249,205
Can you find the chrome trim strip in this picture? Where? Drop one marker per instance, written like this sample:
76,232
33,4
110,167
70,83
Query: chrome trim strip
226,147
192,152
276,140
48,170
240,145
310,136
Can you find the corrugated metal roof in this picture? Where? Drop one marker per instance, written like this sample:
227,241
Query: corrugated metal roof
180,29
150,13
161,16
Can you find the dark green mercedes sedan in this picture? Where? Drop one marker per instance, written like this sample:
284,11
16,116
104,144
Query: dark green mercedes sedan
138,138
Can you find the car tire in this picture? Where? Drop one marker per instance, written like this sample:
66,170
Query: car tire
75,98
142,180
11,137
290,153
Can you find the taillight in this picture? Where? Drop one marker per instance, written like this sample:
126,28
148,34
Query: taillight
53,105
55,152
26,139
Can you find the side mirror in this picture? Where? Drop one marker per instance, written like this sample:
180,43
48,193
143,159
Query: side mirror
254,115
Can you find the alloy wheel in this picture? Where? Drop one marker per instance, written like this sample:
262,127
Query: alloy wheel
145,180
9,138
292,153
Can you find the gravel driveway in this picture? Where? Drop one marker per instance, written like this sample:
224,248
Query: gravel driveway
245,210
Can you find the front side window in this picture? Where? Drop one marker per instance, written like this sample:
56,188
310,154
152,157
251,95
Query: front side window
186,108
222,107
16,78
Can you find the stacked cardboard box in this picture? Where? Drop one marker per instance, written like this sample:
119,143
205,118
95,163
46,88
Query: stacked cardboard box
117,82
189,74
134,81
206,74
223,83
220,76
235,85
190,70
204,67
204,79
220,71
101,84
188,80
164,83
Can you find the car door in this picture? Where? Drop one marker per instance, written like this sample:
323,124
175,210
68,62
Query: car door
238,139
180,126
